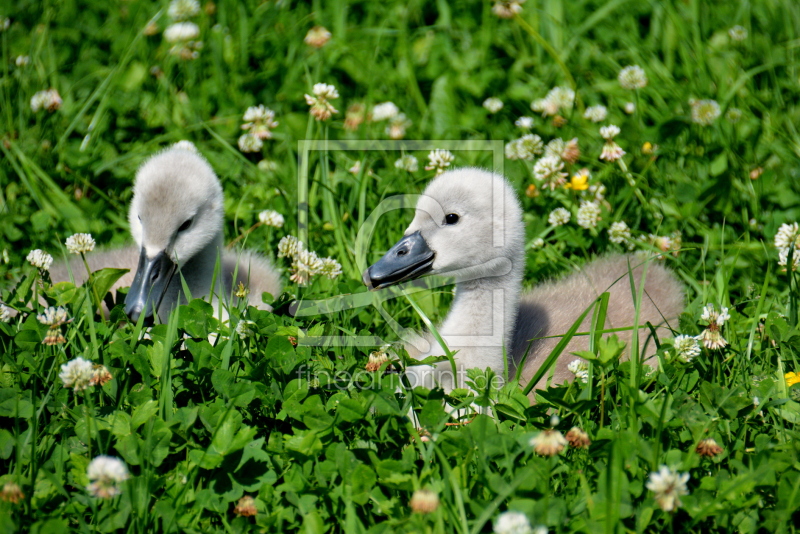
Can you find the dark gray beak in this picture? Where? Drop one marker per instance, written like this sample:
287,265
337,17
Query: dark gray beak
410,258
152,278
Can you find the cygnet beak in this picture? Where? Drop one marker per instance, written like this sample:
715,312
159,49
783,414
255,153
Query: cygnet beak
152,278
410,258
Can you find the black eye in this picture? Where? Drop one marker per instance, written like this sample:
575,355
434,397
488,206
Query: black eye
185,226
451,218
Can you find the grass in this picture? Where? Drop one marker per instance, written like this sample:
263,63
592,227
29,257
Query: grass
321,444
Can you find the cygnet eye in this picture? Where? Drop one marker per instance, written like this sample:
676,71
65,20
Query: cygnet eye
185,226
451,218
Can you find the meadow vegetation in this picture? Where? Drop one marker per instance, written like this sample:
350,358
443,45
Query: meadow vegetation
664,128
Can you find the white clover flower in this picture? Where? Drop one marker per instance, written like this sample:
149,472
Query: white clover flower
788,236
524,123
588,214
738,33
407,163
250,143
548,442
512,523
48,99
506,9
711,337
384,111
537,243
545,106
493,104
559,217
619,232
245,329
40,259
183,9
630,108
330,268
595,113
105,474
181,31
267,165
271,218
580,369
686,348
289,246
711,315
22,61
317,37
632,77
80,243
305,265
439,160
705,112
548,169
53,316
321,108
356,168
668,486
186,145
564,97
77,374
526,147
611,151
609,132
260,121
5,313
396,129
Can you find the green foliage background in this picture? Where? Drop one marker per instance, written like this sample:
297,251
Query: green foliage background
320,445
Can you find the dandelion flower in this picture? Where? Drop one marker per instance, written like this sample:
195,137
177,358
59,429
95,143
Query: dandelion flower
271,218
595,113
424,501
792,379
384,111
181,31
630,108
376,360
245,329
305,265
548,170
709,448
738,33
48,99
668,486
321,108
705,112
506,9
686,348
439,160
330,268
289,246
250,143
183,9
559,217
12,493
493,104
259,120
5,313
580,369
77,374
317,37
548,442
396,129
526,147
246,507
524,123
588,214
632,77
105,474
512,523
578,438
407,163
80,243
579,181
619,232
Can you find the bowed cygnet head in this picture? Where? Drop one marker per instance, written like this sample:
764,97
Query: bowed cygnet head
468,223
175,216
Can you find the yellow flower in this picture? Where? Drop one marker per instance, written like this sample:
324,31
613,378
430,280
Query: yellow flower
531,191
792,379
580,181
647,148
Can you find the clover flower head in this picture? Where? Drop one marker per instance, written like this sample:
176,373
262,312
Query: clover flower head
580,369
578,438
788,239
317,37
305,265
181,31
271,218
668,486
588,214
12,493
183,9
526,147
609,132
686,347
611,151
330,268
376,360
537,243
549,170
5,313
733,115
80,243
53,316
705,112
512,523
289,246
493,104
246,507
709,448
632,77
548,442
738,33
321,108
711,315
506,9
619,232
40,259
77,374
384,111
596,113
22,61
630,108
250,143
354,116
245,329
424,501
48,99
260,121
396,129
100,375
439,160
524,123
105,474
407,163
559,217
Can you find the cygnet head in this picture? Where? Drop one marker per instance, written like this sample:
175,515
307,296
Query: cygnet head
176,212
464,219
